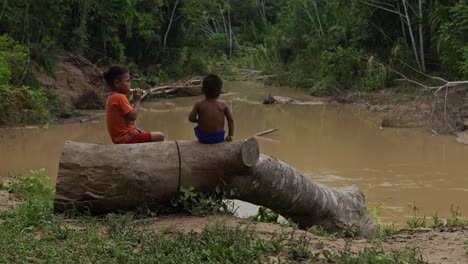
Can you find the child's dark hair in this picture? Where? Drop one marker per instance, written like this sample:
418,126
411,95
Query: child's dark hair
212,85
113,73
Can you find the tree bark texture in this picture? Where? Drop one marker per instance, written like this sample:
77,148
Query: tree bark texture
276,185
105,178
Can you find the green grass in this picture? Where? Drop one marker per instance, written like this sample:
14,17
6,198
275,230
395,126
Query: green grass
320,231
31,233
456,219
376,254
416,221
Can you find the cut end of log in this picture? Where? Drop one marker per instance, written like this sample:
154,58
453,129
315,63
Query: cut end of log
250,152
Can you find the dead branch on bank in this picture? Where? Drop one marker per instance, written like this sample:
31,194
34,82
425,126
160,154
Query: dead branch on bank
437,88
444,113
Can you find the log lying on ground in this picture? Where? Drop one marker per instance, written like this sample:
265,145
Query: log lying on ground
276,185
103,178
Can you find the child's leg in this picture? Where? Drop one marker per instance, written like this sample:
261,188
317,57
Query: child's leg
157,136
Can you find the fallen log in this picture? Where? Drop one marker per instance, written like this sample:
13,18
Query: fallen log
105,178
274,184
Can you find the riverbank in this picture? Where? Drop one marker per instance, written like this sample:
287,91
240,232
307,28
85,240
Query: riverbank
75,85
29,231
443,112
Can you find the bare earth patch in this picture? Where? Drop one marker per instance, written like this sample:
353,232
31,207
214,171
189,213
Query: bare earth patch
444,245
7,200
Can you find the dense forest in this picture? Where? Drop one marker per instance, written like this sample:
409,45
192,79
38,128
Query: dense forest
322,46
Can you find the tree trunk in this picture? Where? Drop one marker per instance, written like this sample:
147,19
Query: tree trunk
170,22
274,184
103,178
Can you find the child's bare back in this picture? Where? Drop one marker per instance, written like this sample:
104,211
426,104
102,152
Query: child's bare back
210,112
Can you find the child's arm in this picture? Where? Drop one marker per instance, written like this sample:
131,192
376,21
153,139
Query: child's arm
193,114
230,120
132,115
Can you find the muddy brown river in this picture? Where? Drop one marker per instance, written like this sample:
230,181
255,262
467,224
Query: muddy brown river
336,145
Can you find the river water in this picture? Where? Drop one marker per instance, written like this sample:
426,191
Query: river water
336,145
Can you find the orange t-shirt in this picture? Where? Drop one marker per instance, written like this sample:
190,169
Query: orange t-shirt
118,125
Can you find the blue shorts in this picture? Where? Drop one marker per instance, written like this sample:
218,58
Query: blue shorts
209,138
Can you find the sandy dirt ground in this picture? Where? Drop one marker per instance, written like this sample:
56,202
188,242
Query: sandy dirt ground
444,245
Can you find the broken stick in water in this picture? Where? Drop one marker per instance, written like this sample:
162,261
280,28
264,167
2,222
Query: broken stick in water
266,132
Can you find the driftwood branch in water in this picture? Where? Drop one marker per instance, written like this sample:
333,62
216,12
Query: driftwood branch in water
104,178
266,132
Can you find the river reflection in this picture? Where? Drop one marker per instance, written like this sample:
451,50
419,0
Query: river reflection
336,145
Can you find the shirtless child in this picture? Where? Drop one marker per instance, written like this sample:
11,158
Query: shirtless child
210,112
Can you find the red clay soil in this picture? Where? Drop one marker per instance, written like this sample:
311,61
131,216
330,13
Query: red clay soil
75,82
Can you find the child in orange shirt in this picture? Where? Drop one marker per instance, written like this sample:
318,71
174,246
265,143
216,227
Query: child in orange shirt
210,112
120,114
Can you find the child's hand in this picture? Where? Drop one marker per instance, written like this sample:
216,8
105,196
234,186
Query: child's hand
137,93
229,138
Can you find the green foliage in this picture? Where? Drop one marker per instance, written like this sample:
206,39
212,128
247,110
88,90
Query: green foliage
388,230
385,230
18,103
350,231
32,232
451,25
23,105
456,219
340,69
36,194
320,231
13,60
299,248
325,46
198,203
437,222
376,254
265,215
416,221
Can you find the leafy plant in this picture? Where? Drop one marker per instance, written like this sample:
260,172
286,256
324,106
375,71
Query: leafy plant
299,248
416,221
437,222
456,219
36,193
376,254
350,231
265,215
388,230
198,203
320,231
18,103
